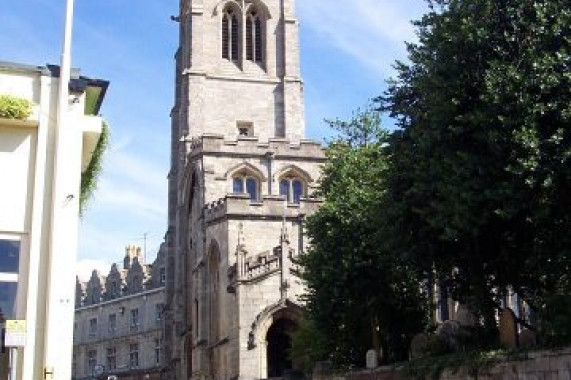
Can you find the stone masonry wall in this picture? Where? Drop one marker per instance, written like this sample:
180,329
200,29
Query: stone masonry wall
541,365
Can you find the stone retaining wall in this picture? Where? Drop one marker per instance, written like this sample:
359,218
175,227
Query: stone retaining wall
541,365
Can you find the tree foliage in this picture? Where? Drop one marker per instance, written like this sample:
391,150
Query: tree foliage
474,185
480,170
360,295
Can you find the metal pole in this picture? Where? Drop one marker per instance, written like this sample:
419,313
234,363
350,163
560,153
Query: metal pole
63,232
65,67
13,362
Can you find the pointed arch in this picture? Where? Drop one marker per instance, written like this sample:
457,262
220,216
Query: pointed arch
222,4
264,320
255,35
257,3
259,337
245,169
293,183
293,171
262,7
192,181
231,27
245,179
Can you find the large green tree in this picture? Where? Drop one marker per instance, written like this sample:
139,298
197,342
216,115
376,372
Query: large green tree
480,170
360,295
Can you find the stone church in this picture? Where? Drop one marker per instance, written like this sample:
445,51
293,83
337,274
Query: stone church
240,187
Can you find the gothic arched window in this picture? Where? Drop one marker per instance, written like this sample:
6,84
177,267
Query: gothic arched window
244,183
230,35
254,37
292,189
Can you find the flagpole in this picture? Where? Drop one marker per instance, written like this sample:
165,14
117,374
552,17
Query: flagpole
63,237
65,67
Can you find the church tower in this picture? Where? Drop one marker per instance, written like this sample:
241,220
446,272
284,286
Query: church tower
240,186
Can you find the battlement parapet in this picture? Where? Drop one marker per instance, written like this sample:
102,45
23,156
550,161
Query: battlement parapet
270,207
215,144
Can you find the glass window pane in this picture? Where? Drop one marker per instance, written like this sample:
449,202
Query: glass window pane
238,185
7,297
284,188
225,38
235,37
297,190
252,188
9,256
258,39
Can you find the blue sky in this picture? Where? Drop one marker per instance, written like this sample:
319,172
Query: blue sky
348,47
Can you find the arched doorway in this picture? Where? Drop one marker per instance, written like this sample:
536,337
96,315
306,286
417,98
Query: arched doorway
278,340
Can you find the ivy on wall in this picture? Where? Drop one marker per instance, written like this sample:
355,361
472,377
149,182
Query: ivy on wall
12,107
90,176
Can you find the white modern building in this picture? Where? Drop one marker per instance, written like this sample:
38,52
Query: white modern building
42,158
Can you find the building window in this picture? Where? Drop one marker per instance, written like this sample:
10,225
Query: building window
163,276
134,355
93,326
74,365
134,319
112,325
246,184
111,358
230,35
9,273
159,312
254,37
158,350
91,361
291,189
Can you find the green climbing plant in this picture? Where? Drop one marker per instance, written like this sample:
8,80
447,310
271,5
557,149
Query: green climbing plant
90,176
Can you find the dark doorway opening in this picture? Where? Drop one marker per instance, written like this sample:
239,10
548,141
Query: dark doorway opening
279,346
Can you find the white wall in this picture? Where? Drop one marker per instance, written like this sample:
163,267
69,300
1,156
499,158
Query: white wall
17,155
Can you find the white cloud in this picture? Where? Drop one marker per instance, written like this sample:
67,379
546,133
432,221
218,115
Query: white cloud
129,202
86,266
137,170
132,182
371,31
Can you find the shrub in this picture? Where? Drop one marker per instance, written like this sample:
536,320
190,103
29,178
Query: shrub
12,107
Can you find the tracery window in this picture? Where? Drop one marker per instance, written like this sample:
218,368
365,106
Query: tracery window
230,35
254,37
243,183
292,189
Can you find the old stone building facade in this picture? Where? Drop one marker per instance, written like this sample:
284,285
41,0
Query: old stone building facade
119,318
240,186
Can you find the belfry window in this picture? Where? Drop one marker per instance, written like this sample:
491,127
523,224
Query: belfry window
291,189
254,37
245,184
230,35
